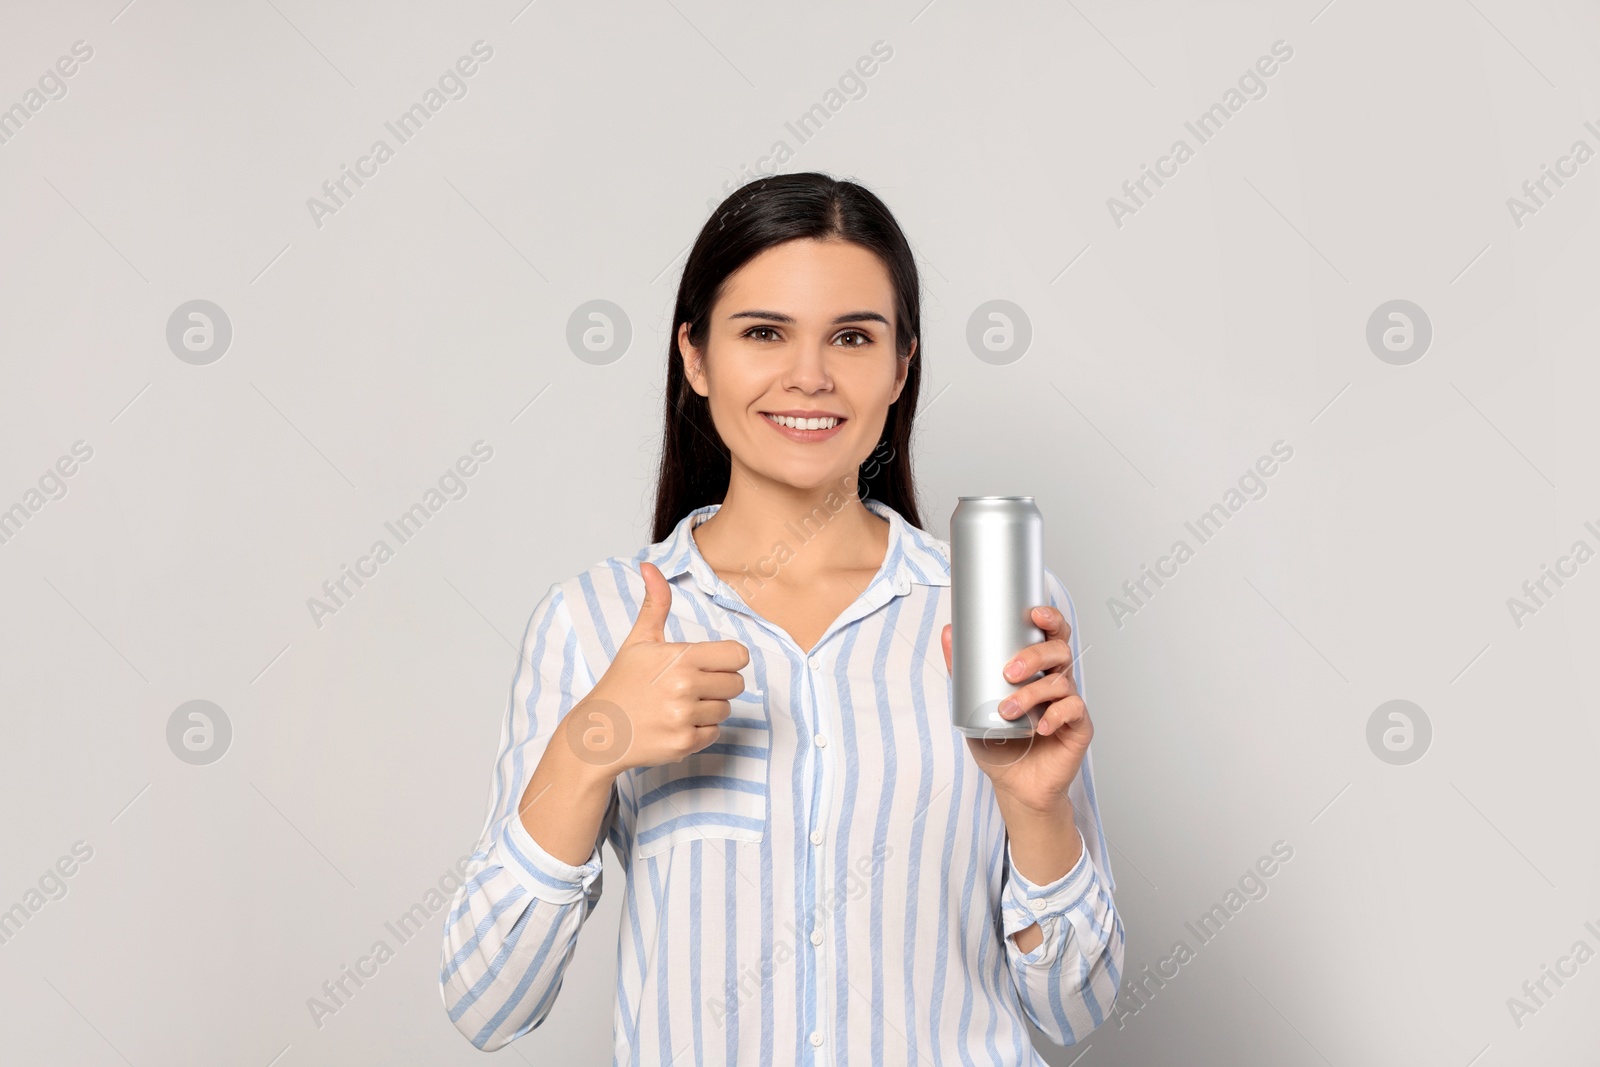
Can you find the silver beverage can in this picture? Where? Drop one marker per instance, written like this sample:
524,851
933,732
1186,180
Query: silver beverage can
996,580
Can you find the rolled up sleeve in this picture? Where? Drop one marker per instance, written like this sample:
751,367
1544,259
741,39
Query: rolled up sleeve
1069,982
513,924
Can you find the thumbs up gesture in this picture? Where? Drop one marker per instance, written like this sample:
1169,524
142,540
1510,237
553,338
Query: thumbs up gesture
659,700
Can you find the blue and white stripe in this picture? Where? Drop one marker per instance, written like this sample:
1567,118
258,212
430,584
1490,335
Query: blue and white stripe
830,883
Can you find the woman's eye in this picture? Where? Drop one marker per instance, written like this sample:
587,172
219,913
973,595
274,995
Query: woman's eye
752,331
865,338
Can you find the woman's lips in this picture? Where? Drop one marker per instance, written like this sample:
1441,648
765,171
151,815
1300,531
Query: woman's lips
804,435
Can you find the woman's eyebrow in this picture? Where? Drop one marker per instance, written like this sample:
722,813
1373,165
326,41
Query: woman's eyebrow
778,316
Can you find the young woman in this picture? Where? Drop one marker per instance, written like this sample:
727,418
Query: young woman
755,711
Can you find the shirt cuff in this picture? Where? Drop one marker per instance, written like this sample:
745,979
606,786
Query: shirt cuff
1023,903
540,873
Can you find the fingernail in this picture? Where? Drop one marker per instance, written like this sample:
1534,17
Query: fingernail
1014,669
1007,707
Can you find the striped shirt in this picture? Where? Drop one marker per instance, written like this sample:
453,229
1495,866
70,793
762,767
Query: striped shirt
829,883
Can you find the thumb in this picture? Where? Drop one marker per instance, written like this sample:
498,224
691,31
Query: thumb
652,620
944,639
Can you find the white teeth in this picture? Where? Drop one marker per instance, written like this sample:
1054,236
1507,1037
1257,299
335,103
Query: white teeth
826,423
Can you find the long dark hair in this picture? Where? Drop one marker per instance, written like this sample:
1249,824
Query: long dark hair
695,466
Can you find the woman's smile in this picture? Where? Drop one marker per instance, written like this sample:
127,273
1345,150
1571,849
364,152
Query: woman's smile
805,426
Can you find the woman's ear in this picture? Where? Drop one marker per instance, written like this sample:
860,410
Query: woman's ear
902,368
693,361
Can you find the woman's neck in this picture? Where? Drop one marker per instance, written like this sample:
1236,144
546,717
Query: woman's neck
804,532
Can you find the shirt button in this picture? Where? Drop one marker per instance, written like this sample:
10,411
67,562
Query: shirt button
1040,904
816,1039
821,742
816,937
814,663
902,585
816,837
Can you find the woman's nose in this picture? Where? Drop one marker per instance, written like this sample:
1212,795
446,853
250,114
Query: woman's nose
809,369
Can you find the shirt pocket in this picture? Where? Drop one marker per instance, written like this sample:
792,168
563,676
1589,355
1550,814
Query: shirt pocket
719,793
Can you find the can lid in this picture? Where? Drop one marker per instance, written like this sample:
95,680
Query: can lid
994,498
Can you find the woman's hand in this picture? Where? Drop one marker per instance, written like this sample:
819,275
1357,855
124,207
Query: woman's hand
659,700
1035,771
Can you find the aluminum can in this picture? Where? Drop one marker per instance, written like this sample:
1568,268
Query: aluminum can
996,580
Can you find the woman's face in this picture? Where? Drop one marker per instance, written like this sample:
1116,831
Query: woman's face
805,329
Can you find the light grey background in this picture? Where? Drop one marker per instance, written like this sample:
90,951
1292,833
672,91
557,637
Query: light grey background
1167,355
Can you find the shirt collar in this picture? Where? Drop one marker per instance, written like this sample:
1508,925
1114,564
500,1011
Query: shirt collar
914,556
